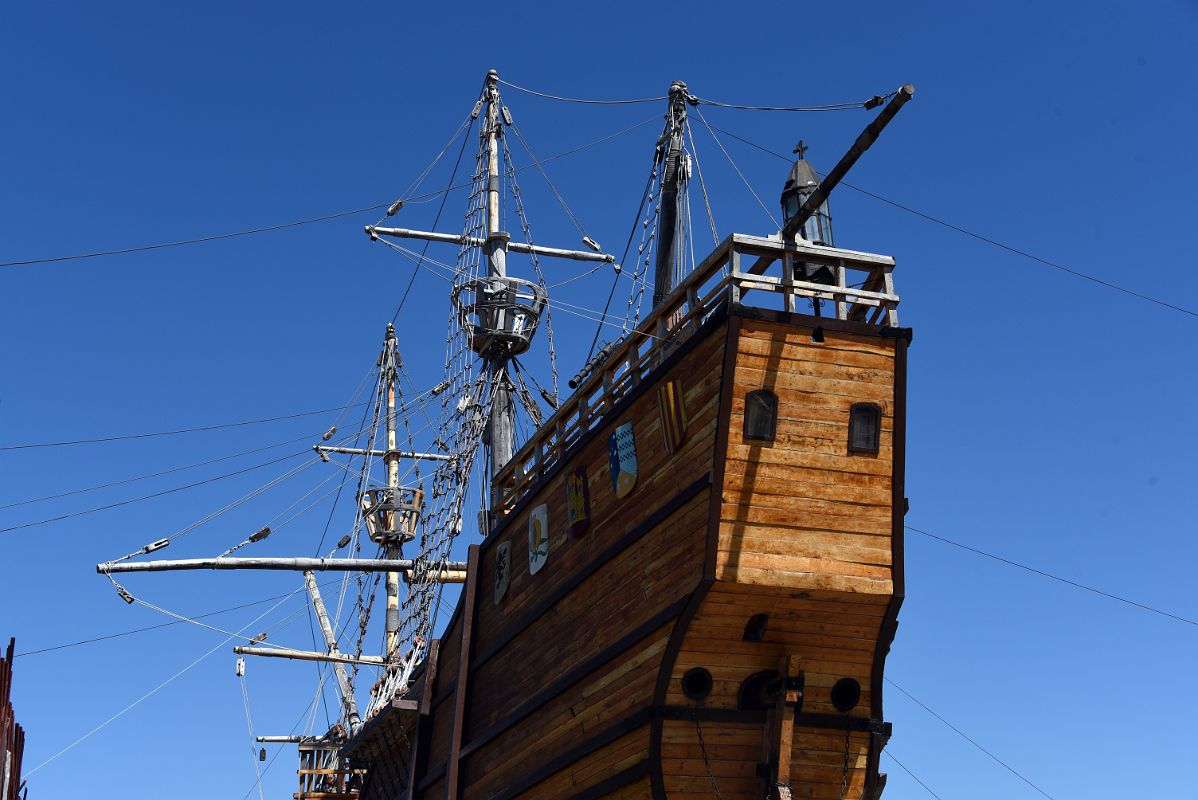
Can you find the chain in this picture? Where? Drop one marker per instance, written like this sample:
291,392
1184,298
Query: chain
706,762
844,781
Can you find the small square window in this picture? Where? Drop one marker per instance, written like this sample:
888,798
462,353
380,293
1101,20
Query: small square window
865,428
761,415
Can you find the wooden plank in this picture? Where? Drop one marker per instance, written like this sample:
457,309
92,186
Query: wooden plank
470,604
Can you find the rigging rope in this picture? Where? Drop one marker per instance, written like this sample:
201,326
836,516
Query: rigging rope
744,180
158,688
967,738
580,100
981,237
914,777
197,429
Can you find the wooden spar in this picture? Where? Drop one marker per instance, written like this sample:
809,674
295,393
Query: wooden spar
472,241
307,655
279,739
358,451
295,564
863,143
391,546
330,639
501,431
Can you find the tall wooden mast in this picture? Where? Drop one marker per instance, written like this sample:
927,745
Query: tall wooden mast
501,432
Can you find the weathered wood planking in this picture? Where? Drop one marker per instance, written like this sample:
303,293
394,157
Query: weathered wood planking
806,535
574,679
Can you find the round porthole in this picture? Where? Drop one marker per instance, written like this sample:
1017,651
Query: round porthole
696,683
846,694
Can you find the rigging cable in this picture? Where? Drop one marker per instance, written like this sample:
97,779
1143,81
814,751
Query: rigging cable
967,738
560,198
162,493
198,429
715,237
419,198
119,634
1058,578
581,100
198,240
873,102
160,686
437,218
914,777
159,474
982,238
249,722
745,180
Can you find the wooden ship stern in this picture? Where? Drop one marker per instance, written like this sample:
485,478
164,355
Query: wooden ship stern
719,620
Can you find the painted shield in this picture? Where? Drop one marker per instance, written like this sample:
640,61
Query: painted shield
503,569
673,415
621,456
538,539
578,502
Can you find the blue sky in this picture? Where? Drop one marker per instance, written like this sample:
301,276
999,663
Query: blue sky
1050,418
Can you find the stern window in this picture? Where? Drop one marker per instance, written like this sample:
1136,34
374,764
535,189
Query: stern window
865,428
761,415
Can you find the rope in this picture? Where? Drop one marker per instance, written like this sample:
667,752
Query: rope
745,180
560,199
200,240
873,102
967,738
914,777
249,724
198,429
580,100
155,690
982,238
715,237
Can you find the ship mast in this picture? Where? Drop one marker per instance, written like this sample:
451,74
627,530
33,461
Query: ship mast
675,166
501,430
500,312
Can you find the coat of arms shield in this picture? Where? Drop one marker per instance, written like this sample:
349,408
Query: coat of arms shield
578,502
503,569
673,415
538,539
621,456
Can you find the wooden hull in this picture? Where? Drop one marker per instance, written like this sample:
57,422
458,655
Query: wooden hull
573,683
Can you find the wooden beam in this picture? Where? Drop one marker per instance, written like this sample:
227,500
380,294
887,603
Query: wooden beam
295,564
462,693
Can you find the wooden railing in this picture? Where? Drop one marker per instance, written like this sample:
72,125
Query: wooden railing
319,782
863,291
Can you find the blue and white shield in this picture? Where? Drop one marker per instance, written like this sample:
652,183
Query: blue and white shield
621,456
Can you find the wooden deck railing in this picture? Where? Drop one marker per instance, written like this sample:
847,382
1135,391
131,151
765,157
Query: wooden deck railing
318,782
863,292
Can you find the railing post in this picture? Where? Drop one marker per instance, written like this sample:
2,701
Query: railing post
734,272
891,307
842,306
788,280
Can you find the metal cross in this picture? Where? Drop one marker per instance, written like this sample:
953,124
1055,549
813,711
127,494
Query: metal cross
801,149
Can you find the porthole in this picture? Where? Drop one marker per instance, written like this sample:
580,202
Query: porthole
865,428
761,415
696,683
846,694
